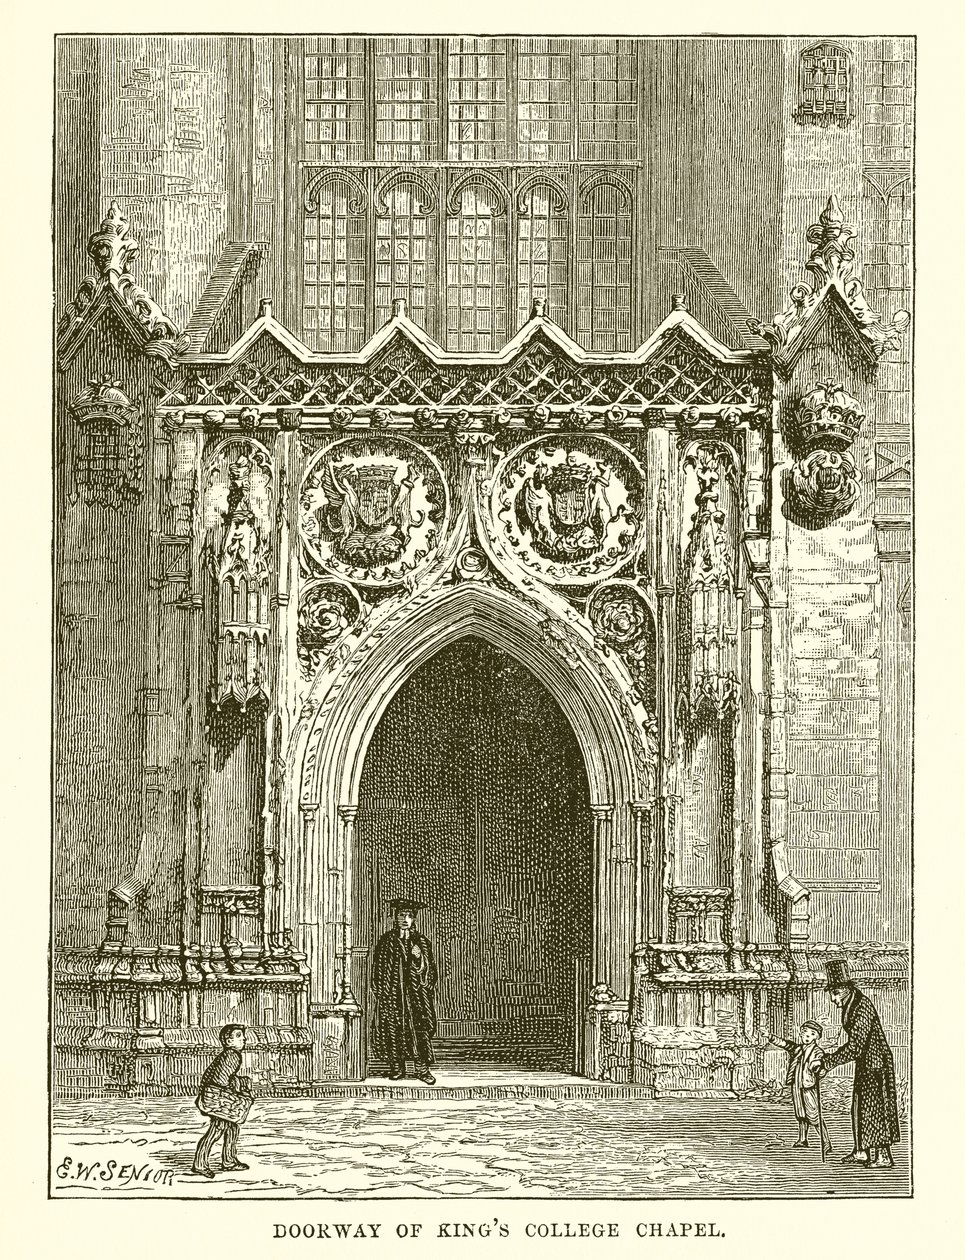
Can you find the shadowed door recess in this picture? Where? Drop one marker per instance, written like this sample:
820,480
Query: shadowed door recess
474,800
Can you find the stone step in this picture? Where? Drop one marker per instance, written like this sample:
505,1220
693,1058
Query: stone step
552,1087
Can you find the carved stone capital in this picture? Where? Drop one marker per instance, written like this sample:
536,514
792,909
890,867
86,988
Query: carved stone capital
290,418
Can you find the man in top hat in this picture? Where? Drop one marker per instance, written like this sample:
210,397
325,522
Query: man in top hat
874,1105
404,981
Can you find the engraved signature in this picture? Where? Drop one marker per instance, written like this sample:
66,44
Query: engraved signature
110,1172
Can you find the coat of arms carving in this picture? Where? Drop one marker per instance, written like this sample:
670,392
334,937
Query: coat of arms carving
372,511
568,511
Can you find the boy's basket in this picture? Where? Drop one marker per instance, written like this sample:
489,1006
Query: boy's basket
223,1104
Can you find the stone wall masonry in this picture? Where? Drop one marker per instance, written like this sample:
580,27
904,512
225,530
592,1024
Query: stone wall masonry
838,782
163,134
101,624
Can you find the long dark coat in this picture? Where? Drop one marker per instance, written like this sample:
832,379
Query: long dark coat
404,991
874,1105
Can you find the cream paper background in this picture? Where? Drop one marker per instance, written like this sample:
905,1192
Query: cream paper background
31,1226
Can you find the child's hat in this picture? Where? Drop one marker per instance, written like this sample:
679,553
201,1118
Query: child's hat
810,1023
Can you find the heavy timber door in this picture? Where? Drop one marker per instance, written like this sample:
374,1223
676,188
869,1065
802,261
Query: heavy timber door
473,799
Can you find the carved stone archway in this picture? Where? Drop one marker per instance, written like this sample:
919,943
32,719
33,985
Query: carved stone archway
330,753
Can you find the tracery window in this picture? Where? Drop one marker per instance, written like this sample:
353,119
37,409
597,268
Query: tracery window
405,256
334,271
406,100
476,272
334,100
824,84
541,253
603,269
477,100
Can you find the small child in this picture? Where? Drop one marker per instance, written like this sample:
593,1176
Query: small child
225,1098
804,1070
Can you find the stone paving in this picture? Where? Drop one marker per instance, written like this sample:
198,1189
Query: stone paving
418,1147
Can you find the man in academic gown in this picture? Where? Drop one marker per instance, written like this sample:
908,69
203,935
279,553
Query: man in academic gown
874,1104
403,984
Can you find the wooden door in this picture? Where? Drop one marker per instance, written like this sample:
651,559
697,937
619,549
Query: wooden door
473,800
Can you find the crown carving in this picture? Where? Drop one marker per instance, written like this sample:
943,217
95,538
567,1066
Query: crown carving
103,399
828,417
373,472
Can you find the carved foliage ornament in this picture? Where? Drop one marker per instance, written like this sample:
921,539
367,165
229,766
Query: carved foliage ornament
832,264
113,249
372,510
568,511
108,465
622,622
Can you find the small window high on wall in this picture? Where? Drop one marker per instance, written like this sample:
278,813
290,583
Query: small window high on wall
824,85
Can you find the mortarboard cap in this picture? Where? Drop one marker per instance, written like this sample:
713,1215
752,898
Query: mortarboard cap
406,903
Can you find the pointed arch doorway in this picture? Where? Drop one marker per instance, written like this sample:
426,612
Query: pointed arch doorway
474,799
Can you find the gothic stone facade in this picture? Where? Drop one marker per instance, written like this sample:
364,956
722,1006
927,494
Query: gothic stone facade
468,416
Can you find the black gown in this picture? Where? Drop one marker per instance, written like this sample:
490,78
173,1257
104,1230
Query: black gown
404,991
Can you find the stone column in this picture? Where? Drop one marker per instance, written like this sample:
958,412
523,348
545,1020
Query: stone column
643,871
195,786
602,823
346,995
304,880
665,526
280,790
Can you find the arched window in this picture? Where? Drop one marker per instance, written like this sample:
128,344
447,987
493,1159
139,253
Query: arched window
334,296
603,269
405,256
824,85
541,250
476,273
